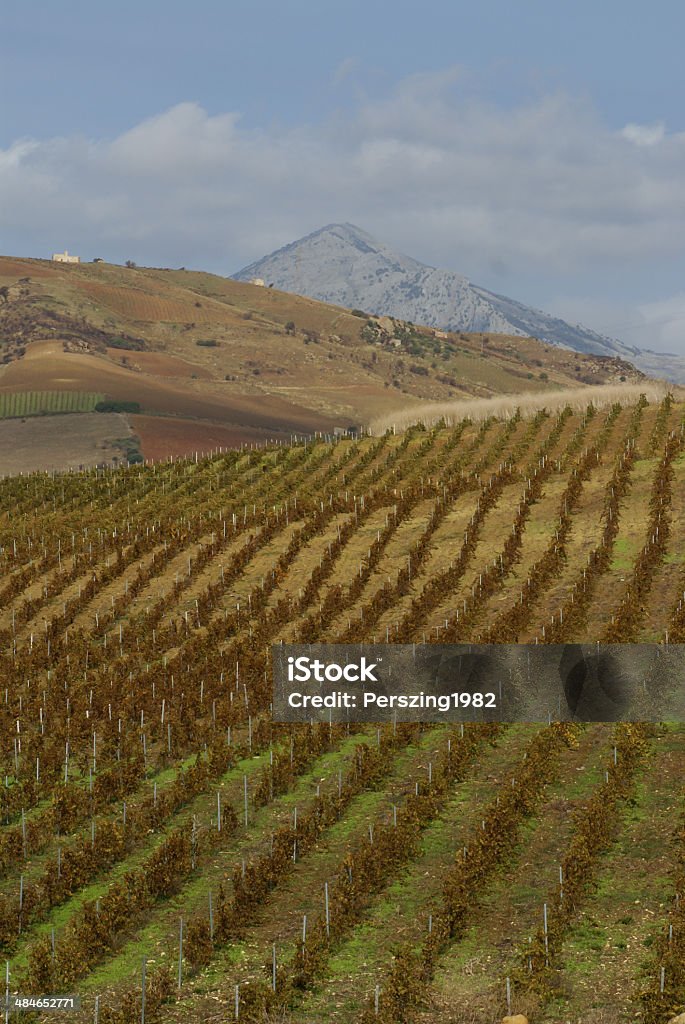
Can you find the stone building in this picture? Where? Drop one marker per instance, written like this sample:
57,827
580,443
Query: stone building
64,257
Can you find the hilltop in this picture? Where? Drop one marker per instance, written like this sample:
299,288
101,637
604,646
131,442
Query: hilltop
343,264
209,361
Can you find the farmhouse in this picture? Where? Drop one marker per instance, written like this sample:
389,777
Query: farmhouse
64,257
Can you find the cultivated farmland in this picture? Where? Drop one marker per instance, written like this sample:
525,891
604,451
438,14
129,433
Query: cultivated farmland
37,403
161,834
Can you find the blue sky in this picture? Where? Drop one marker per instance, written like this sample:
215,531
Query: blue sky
538,148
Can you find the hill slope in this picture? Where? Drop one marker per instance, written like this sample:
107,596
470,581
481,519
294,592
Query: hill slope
213,362
341,263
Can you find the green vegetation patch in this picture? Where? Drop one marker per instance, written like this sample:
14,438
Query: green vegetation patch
131,344
110,405
42,403
130,448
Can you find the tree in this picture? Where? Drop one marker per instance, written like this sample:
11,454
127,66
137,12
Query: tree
130,264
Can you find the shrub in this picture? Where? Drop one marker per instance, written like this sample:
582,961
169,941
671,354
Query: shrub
111,405
207,343
133,344
130,448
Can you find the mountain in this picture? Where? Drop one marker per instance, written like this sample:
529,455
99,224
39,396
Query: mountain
342,264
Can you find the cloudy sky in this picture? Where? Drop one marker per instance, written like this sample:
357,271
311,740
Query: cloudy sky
538,148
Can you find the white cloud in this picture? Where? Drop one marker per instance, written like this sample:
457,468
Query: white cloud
644,134
545,189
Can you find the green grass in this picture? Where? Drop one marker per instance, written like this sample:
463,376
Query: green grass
38,403
626,550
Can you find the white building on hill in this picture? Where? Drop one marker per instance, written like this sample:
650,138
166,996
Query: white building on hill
64,257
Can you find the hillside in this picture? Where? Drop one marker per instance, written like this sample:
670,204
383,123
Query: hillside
213,362
154,814
341,263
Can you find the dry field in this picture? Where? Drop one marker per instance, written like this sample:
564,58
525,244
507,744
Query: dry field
69,441
161,436
47,367
154,813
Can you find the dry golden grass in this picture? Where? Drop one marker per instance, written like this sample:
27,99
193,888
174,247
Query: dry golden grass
602,395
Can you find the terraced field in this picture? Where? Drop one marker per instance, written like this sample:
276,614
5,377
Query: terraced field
161,835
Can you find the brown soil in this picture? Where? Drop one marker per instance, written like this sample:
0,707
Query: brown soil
162,436
158,364
46,367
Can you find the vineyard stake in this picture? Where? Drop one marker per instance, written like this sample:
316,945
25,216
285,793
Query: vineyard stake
245,797
544,915
142,1000
328,916
180,954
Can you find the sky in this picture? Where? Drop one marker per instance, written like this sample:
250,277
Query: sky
537,148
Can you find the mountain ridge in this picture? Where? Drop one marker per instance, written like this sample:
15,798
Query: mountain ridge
343,264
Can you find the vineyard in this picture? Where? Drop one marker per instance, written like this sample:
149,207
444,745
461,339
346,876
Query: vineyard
168,853
36,403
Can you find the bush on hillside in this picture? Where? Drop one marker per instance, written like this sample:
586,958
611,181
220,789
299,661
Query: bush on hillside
111,405
133,344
